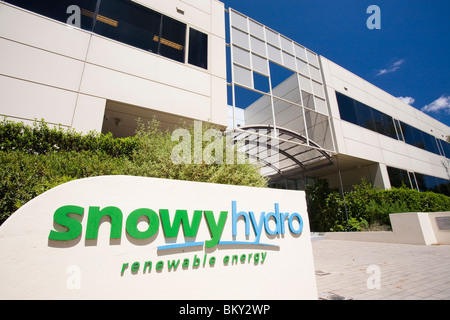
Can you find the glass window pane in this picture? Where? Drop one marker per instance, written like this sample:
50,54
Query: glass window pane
260,64
413,136
173,39
258,46
365,117
398,177
272,38
240,38
58,9
129,23
384,124
242,76
346,108
198,48
446,148
274,54
241,56
430,143
300,52
256,29
238,20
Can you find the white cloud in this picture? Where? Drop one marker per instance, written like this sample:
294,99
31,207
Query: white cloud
391,68
439,105
407,100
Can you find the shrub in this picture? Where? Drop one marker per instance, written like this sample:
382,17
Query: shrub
152,158
366,206
36,159
40,139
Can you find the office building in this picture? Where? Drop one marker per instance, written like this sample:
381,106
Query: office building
101,65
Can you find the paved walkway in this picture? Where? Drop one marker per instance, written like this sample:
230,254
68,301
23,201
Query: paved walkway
379,271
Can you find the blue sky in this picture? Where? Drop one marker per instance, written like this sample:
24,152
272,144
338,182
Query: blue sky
408,57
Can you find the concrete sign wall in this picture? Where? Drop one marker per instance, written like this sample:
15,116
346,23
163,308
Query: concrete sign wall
120,237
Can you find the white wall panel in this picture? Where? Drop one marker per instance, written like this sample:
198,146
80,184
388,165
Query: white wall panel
25,62
27,100
116,56
21,26
106,83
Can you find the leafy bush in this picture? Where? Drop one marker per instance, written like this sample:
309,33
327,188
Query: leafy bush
366,206
40,139
36,159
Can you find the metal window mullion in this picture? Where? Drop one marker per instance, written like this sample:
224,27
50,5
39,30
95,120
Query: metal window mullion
233,90
303,109
270,83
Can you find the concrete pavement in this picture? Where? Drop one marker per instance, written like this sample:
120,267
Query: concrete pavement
381,271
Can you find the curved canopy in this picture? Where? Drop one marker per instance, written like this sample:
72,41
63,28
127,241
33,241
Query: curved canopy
282,153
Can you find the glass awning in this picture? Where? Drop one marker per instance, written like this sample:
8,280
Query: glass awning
280,152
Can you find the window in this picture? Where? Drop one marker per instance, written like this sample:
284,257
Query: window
129,23
398,177
384,124
173,39
431,143
358,113
413,136
346,108
198,48
418,181
365,117
446,148
140,27
58,9
419,138
430,183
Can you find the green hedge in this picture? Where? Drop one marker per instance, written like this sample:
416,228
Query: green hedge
41,139
366,207
35,159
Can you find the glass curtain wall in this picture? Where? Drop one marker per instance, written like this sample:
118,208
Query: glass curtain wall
364,116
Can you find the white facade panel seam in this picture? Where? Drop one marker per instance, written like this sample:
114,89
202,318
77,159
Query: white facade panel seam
42,49
38,83
143,78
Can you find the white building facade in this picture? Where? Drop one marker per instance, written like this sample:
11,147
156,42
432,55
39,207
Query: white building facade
136,59
101,65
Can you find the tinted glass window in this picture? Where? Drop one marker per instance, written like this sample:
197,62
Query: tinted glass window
430,183
419,138
173,39
398,177
346,108
413,136
446,148
129,23
365,117
198,48
384,124
430,143
58,10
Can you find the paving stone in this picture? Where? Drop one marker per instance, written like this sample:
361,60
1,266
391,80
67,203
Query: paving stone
353,269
